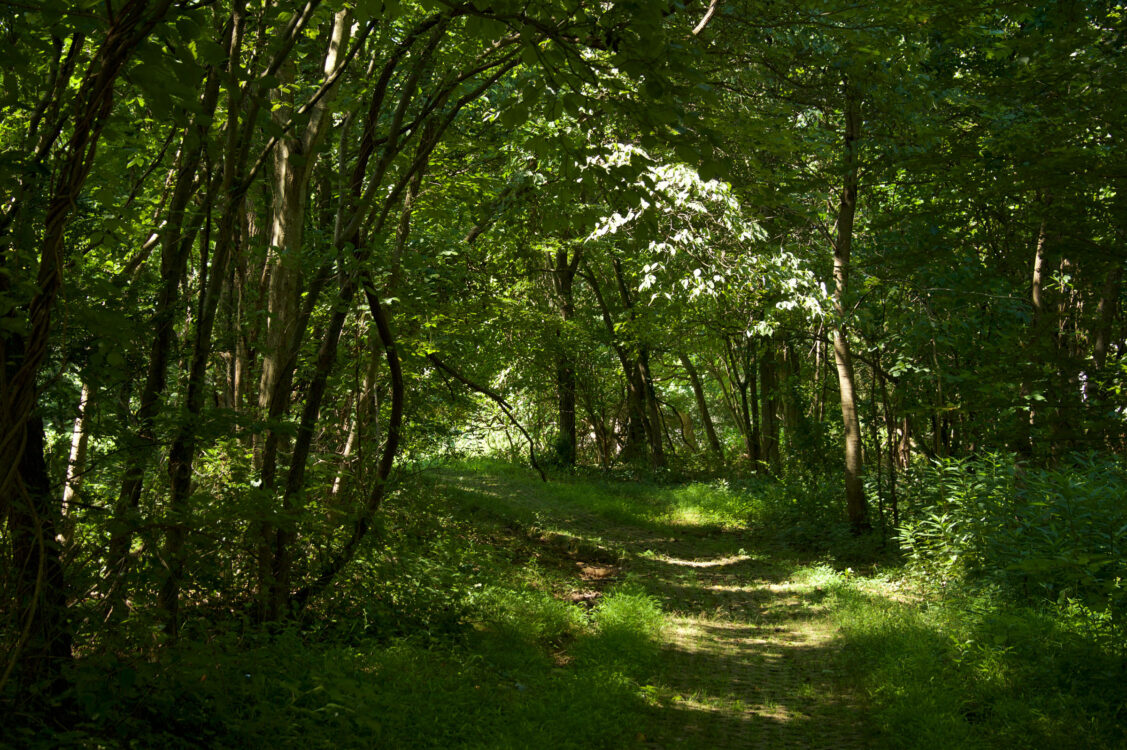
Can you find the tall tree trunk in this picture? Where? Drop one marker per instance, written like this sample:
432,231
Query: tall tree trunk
44,643
278,594
362,414
874,438
32,512
363,523
1105,316
177,239
751,398
76,459
294,159
1105,320
742,374
890,435
563,277
854,488
653,409
242,110
792,414
1037,345
649,414
769,385
637,430
702,406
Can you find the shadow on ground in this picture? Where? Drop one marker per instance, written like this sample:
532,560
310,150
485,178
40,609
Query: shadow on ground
748,657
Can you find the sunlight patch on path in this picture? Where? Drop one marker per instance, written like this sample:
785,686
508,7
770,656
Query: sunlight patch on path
739,684
714,563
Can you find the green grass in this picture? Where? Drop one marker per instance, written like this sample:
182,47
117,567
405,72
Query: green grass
463,626
628,501
965,670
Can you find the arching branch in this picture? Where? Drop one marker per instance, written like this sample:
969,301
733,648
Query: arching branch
497,399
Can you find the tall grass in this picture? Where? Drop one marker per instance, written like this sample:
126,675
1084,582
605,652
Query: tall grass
1014,634
445,634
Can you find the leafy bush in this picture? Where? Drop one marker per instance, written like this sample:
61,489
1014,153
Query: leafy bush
1058,534
976,671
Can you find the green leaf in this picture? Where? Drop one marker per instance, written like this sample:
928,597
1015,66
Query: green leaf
210,53
515,115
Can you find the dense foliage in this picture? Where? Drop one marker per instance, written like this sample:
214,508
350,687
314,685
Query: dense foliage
859,267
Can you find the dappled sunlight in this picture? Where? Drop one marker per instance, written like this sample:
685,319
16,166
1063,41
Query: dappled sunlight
738,684
713,563
746,648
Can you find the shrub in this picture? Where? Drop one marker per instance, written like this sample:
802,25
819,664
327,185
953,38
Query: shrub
1057,534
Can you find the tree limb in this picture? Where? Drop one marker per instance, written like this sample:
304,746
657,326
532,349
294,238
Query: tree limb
497,399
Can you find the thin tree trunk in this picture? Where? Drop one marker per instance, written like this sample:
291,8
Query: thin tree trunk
750,396
1040,328
25,498
563,276
791,413
702,405
1105,316
241,114
854,487
874,437
362,414
294,159
769,383
819,377
890,430
742,376
383,472
76,459
649,413
176,245
636,430
904,450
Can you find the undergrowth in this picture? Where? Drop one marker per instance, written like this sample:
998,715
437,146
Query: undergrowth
1013,633
449,632
461,625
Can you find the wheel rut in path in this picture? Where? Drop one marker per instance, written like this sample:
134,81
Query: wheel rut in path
747,658
748,655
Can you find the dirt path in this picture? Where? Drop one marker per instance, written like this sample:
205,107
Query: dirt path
747,659
748,656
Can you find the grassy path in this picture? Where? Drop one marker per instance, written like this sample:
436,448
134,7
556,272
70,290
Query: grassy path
748,652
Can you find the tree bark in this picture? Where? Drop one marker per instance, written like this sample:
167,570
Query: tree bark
1037,346
702,406
743,378
649,412
769,384
176,240
44,644
76,459
1105,317
25,499
854,488
637,431
294,159
563,278
363,523
890,436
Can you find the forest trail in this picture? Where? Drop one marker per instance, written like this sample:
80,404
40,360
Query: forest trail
747,658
